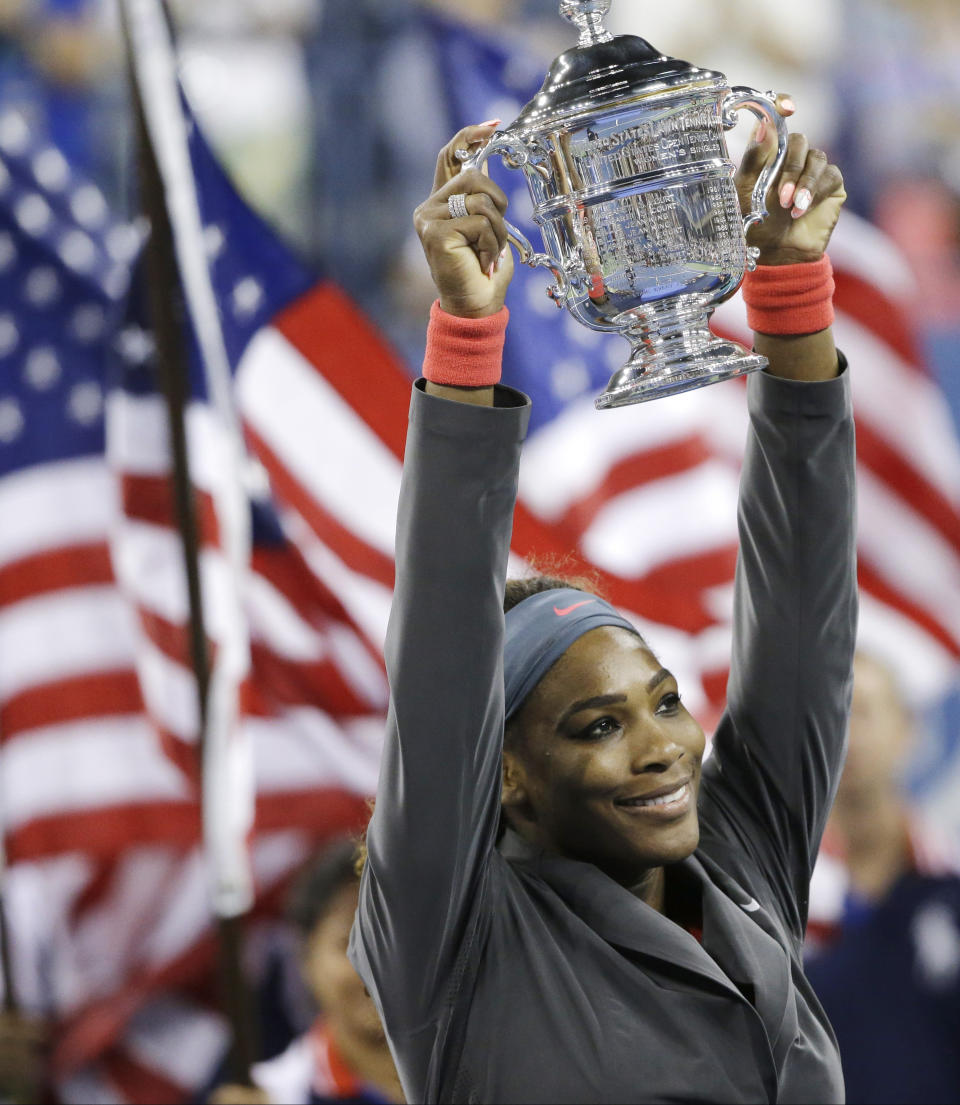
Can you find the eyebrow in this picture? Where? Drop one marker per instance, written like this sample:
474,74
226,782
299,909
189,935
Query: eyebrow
658,678
590,703
610,699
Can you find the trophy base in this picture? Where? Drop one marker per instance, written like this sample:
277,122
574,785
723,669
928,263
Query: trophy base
672,351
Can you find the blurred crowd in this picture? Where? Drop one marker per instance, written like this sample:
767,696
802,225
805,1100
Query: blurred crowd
328,116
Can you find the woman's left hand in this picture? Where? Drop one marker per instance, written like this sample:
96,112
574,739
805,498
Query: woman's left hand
804,200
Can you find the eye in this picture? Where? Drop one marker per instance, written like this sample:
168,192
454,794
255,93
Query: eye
669,704
599,729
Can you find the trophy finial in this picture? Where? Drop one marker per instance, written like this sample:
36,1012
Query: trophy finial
588,15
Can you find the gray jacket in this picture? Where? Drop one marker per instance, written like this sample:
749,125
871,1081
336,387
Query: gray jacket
507,975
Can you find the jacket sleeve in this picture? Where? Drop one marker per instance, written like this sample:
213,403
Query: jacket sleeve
438,799
779,748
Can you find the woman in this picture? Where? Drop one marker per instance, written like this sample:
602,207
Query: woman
635,933
343,1056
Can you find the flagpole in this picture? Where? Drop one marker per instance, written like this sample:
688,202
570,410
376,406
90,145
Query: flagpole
11,1003
168,313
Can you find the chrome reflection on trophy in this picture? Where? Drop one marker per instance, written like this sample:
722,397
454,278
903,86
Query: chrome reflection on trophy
624,153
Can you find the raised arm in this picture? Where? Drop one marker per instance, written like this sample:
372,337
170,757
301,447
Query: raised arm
434,826
779,747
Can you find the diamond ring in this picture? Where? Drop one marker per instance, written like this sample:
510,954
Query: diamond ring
457,205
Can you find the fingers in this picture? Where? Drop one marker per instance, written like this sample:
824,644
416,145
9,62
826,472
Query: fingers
818,181
484,232
793,165
470,139
785,105
483,228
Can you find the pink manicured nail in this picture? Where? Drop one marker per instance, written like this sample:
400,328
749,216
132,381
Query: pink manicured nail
788,105
490,123
802,200
786,194
761,132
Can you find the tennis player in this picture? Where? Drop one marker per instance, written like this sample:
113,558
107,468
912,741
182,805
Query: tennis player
562,902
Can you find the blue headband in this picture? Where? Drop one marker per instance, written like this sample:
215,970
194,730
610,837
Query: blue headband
539,631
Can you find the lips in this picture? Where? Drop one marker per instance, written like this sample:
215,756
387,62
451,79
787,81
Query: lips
673,796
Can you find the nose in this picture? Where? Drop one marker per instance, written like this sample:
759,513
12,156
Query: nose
653,751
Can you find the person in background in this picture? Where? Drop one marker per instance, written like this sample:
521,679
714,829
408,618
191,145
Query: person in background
344,1055
61,69
883,945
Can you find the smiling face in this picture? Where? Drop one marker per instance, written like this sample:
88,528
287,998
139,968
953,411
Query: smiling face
602,763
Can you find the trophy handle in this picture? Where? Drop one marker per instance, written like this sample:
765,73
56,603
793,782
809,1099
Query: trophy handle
764,106
516,155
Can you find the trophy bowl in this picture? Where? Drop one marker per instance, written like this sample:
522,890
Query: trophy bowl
625,156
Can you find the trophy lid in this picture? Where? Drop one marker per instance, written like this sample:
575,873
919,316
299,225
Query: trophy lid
603,71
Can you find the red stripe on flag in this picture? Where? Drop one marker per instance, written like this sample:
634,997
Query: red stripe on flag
894,469
278,681
714,568
866,304
874,584
352,550
632,472
71,566
171,638
105,831
351,356
323,812
184,754
287,571
105,694
97,889
685,609
150,499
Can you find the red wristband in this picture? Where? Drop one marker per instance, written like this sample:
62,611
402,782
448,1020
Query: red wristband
464,352
790,299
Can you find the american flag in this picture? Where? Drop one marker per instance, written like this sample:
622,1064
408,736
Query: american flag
106,888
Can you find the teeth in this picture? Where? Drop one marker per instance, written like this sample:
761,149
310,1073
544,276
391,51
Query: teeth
673,796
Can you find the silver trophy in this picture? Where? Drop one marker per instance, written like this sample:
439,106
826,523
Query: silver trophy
624,152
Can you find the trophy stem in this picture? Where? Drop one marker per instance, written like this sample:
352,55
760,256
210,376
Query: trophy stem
673,350
588,16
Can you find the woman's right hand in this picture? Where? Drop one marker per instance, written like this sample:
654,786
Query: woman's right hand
470,261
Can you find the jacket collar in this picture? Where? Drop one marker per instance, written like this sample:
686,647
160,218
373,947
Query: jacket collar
740,953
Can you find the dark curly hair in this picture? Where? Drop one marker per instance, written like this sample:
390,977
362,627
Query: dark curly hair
550,574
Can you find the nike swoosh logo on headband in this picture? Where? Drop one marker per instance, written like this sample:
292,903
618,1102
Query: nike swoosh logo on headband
569,609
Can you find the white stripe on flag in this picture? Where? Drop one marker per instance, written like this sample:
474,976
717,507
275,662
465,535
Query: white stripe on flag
55,505
65,633
935,585
310,750
82,765
677,516
366,600
319,438
169,691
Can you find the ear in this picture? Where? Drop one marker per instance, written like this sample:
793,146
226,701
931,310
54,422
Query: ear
514,791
